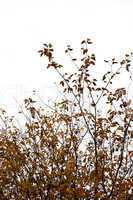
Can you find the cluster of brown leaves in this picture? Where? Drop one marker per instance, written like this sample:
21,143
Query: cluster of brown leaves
81,148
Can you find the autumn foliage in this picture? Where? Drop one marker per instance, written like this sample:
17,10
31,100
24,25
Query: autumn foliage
81,148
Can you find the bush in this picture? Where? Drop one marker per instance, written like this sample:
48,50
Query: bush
80,148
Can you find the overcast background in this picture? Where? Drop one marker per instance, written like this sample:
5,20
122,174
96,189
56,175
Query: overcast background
26,24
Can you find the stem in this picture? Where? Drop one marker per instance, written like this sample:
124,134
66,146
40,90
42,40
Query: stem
121,158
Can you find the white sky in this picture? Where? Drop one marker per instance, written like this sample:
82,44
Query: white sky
26,24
